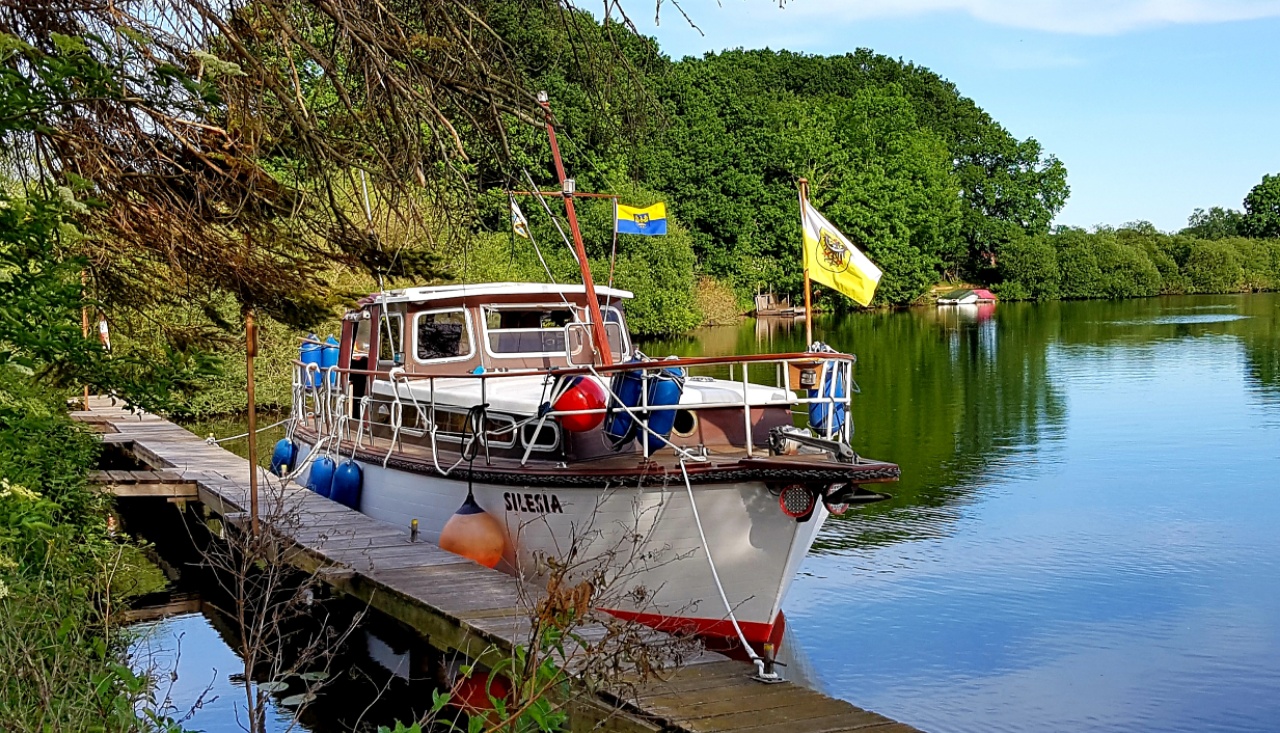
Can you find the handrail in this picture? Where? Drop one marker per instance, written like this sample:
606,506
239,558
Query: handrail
682,362
396,378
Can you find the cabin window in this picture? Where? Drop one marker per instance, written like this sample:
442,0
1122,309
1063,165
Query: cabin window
615,327
440,335
543,438
527,330
360,343
390,340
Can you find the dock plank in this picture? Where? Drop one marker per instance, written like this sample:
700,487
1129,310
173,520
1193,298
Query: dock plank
457,604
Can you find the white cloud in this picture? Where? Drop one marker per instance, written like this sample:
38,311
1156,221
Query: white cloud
1086,17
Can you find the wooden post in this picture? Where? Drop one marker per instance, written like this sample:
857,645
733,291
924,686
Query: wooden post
808,300
84,323
251,350
593,303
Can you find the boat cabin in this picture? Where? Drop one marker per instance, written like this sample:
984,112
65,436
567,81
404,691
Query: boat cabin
471,329
419,359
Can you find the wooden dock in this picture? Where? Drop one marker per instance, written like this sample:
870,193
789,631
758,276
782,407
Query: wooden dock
456,604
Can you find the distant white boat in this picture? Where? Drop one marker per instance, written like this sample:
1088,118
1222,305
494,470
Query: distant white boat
966,297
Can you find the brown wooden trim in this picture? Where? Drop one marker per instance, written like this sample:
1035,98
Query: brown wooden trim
800,469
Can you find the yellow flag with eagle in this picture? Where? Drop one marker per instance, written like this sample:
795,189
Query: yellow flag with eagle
832,260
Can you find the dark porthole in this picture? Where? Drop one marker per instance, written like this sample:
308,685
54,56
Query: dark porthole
685,424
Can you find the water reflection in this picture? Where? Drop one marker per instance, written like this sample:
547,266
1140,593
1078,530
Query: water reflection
1083,538
186,638
950,394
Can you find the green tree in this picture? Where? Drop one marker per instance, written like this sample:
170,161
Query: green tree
1029,269
1214,267
1262,208
742,126
1216,223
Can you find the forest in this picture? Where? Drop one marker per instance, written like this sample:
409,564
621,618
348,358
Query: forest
918,175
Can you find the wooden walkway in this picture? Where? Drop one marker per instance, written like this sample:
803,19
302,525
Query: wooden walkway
455,603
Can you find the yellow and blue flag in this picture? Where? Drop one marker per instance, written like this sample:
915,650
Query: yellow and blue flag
832,260
649,221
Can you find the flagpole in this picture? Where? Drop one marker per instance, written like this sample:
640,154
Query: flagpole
808,304
567,191
613,249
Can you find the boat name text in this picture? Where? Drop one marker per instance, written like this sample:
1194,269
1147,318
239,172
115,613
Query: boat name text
539,503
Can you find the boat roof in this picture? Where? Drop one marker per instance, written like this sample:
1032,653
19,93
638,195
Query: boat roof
485,290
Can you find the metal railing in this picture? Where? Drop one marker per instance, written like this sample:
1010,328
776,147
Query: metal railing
325,398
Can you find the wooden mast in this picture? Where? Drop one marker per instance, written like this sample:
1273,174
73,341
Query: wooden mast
566,188
251,351
808,305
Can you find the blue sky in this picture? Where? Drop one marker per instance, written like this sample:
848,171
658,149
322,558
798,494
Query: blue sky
1155,106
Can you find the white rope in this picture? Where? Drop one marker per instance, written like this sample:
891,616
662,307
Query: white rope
716,575
214,441
538,195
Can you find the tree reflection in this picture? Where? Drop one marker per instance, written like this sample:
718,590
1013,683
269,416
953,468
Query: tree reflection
962,397
945,394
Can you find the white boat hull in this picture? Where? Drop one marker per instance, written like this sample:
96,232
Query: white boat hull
646,538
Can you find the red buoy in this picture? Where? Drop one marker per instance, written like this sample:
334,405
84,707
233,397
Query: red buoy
475,693
582,394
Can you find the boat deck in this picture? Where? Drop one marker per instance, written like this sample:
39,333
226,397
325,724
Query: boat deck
458,605
727,464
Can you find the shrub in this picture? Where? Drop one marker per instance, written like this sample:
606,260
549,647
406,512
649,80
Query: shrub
717,302
1214,267
1029,268
1126,270
62,670
1078,265
1256,261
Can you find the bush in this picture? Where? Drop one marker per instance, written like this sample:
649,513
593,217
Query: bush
1214,267
1029,269
1126,270
1257,261
717,302
1078,265
1160,252
62,670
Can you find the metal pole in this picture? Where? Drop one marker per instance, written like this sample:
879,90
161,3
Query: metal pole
251,349
593,303
613,249
808,300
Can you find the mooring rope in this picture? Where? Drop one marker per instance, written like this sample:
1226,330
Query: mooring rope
715,575
214,441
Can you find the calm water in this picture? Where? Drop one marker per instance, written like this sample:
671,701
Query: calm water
1085,535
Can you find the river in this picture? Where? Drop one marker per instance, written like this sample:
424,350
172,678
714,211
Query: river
1084,537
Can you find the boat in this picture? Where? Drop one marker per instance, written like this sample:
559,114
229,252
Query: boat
517,424
967,297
